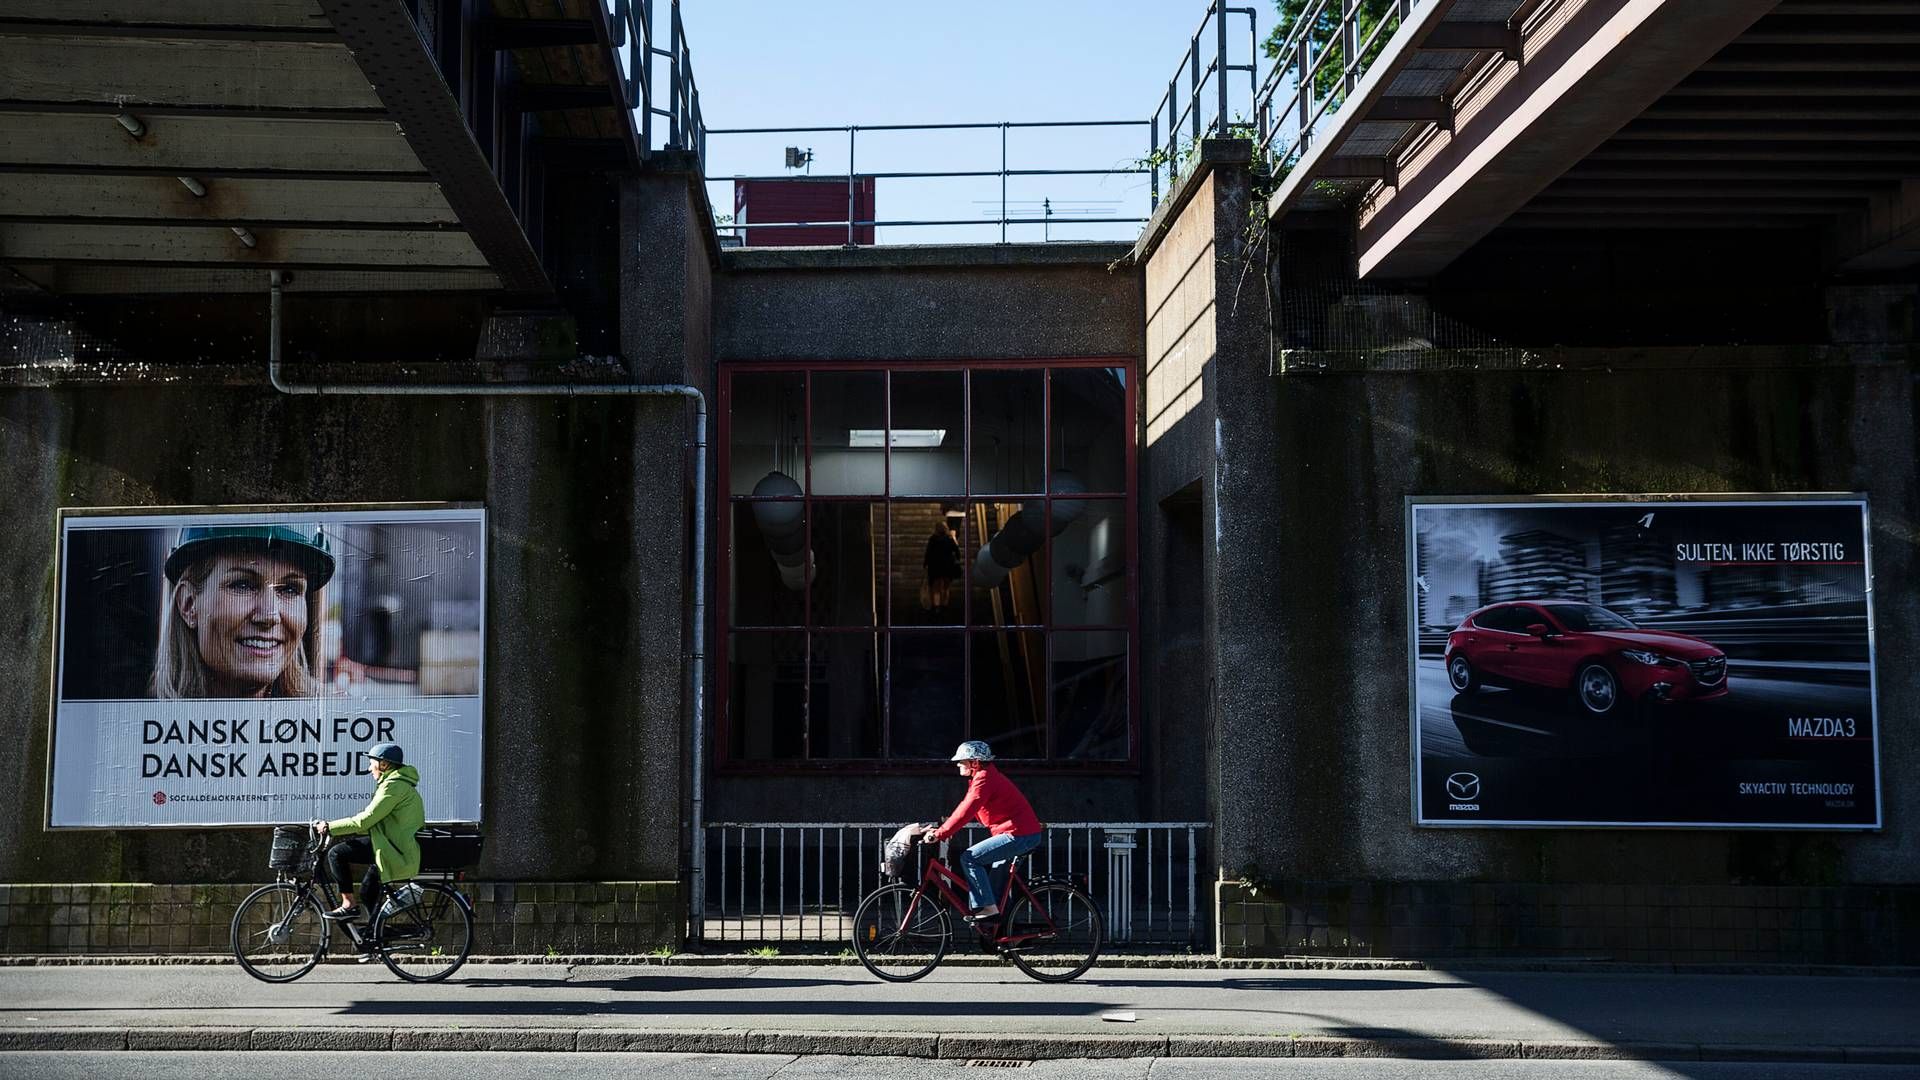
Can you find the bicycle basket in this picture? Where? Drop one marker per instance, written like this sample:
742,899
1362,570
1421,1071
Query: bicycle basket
444,850
290,853
896,856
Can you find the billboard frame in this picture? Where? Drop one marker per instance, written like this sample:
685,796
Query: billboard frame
1654,501
57,649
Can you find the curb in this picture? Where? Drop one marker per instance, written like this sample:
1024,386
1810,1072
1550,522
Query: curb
1013,1047
1144,961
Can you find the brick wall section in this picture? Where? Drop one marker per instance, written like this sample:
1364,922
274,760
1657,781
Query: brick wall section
509,917
1847,924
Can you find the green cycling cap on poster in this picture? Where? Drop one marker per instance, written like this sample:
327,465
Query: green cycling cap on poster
305,544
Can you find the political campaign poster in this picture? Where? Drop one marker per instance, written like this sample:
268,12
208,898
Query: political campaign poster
229,666
1686,662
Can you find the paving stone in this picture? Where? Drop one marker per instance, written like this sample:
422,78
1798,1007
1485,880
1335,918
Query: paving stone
662,1042
321,1038
852,1043
1234,1046
1037,1047
189,1038
72,1038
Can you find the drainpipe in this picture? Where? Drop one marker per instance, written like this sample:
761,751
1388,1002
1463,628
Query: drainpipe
698,859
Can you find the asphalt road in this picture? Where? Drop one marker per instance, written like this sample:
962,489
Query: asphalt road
1770,1010
239,1065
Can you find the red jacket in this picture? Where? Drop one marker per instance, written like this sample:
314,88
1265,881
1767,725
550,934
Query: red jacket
993,801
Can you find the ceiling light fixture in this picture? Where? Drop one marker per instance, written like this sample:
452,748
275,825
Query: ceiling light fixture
199,189
135,126
246,237
903,438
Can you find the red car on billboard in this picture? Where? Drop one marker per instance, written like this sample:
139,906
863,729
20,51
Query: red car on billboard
1597,656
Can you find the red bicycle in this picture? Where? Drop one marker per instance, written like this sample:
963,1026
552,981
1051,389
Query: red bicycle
1049,927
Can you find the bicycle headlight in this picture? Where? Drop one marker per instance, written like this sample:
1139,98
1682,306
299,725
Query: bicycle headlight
1651,659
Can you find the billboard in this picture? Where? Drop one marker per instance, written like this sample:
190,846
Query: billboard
1687,662
225,666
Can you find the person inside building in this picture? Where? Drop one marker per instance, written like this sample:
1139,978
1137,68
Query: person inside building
942,564
383,833
1013,830
241,603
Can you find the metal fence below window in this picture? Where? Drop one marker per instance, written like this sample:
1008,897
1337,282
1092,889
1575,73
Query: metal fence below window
770,882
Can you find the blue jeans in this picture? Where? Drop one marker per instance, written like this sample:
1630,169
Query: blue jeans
980,863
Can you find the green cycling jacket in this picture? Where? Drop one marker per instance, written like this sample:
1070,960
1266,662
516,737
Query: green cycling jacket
391,819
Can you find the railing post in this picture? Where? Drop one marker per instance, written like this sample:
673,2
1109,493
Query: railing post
645,77
1153,147
1173,132
1305,78
673,76
1003,181
1349,47
1193,78
1120,845
850,215
1220,46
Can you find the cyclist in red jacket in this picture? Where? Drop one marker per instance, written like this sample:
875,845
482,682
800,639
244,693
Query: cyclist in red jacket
993,801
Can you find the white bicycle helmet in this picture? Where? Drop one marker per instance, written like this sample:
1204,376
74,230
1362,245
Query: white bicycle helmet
973,750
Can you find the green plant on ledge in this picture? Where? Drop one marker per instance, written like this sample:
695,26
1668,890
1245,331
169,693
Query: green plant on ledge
662,951
1259,885
764,952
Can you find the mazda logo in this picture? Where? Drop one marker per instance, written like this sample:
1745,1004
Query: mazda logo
1463,786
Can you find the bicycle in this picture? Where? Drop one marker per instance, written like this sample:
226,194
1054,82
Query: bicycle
279,935
1049,928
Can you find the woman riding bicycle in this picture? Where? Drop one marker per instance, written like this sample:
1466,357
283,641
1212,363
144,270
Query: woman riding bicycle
993,801
383,833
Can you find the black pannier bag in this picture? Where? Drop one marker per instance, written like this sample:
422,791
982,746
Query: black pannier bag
446,849
289,854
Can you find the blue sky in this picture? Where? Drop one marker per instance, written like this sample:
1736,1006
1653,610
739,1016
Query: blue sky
764,63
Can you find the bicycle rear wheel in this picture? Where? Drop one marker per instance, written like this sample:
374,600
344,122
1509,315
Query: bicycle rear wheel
900,938
278,934
428,941
1054,932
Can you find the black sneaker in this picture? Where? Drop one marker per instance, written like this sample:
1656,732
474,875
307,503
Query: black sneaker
351,914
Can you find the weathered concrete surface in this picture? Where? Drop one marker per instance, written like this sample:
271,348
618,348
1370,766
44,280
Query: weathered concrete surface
563,480
953,303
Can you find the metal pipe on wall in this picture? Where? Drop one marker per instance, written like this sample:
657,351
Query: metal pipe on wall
697,856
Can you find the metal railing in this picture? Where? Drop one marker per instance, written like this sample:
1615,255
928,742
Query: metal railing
1317,67
1185,114
854,222
634,24
771,882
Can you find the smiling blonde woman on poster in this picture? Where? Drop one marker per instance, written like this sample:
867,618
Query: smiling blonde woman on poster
240,611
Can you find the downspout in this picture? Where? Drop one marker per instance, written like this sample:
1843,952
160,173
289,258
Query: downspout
697,860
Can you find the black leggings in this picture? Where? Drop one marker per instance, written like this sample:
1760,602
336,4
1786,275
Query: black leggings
357,850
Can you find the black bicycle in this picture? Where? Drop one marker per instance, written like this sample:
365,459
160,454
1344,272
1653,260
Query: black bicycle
423,932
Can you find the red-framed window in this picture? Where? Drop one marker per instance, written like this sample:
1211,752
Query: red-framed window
916,554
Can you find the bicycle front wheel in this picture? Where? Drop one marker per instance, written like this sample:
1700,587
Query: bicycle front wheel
1052,932
430,940
899,935
278,934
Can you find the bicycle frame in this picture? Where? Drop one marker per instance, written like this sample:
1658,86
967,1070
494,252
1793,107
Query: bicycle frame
937,870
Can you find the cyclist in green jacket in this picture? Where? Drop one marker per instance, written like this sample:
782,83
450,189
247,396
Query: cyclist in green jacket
383,833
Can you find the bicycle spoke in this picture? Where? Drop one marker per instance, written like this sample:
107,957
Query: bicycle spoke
900,936
1053,932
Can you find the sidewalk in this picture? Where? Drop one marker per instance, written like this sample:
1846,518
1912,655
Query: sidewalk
974,1012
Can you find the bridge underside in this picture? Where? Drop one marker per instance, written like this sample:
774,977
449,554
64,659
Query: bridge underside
1795,118
193,146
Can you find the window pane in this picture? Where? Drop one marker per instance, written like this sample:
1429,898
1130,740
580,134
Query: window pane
928,568
925,701
927,408
1008,708
1089,429
849,432
768,419
1089,562
1089,688
1003,595
766,695
849,540
843,717
1008,414
767,576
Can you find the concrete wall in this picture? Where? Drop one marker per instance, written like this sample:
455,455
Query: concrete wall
568,485
1303,528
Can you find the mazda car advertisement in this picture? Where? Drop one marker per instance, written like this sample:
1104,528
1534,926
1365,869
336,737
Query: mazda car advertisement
1687,662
